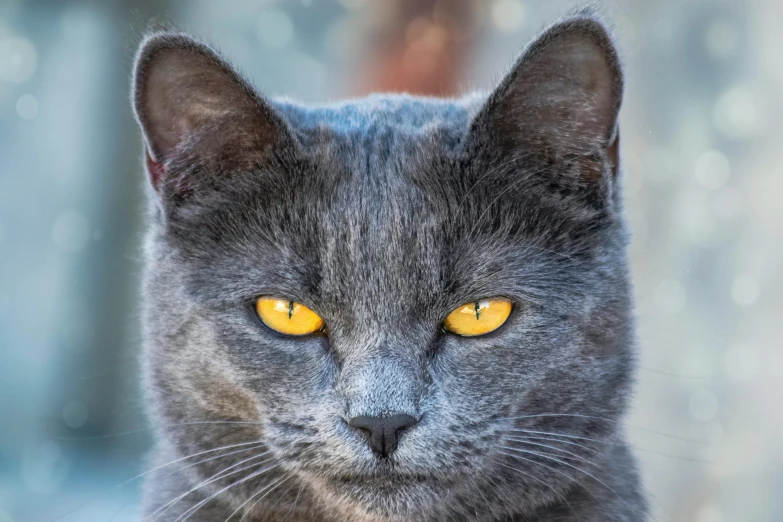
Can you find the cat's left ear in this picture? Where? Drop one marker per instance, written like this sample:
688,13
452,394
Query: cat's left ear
561,99
196,109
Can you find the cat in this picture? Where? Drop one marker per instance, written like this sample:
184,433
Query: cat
374,220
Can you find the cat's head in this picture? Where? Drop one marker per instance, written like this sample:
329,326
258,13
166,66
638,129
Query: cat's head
382,216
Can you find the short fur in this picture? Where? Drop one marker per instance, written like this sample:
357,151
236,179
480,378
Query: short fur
384,214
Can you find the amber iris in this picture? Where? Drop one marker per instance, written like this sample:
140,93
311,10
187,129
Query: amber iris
478,317
288,317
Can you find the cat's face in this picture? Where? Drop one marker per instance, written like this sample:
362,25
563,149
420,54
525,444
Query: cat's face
383,216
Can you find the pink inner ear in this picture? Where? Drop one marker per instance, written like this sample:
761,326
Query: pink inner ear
156,171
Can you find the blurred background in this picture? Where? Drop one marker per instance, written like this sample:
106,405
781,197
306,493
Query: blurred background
703,183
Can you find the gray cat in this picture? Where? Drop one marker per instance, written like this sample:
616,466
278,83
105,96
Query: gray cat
393,308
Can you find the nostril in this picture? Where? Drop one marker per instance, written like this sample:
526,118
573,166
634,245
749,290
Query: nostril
363,423
362,430
396,426
383,431
402,422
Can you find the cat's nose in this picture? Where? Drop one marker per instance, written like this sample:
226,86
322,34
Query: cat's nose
383,432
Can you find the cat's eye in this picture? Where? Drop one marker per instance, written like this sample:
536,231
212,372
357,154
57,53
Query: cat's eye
288,317
478,317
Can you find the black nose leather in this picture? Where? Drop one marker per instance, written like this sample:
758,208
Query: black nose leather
383,431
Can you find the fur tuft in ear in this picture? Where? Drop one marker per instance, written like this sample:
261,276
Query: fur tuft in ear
192,106
561,99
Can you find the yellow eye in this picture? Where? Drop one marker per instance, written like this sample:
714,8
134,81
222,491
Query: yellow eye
478,318
288,317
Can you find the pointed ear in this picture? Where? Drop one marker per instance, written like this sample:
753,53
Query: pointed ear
192,106
561,99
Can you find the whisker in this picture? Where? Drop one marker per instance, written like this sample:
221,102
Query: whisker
569,439
140,475
557,495
144,430
569,442
221,473
564,435
277,502
651,496
572,455
635,448
567,476
230,446
293,507
513,448
198,506
266,488
484,498
209,480
550,457
260,445
594,417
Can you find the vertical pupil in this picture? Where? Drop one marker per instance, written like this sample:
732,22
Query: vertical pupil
290,309
477,310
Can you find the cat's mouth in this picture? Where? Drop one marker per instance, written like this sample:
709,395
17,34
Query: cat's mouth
383,478
402,493
383,475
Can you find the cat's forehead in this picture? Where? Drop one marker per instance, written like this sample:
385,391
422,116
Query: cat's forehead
377,151
383,155
398,114
379,235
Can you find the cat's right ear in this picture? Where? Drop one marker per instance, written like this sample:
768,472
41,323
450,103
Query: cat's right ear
561,100
195,109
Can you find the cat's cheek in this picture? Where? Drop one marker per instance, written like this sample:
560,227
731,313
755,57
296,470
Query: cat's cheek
272,364
467,379
298,363
251,343
498,371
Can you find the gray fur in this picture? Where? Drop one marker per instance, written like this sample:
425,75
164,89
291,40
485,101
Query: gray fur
383,214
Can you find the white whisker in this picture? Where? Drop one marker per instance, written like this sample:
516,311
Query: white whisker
217,476
293,507
277,502
550,457
140,475
144,430
198,506
572,455
607,442
260,445
268,488
554,491
604,419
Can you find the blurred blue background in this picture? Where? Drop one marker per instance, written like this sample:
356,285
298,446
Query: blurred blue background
704,187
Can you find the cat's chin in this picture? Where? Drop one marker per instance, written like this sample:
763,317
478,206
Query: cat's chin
386,497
